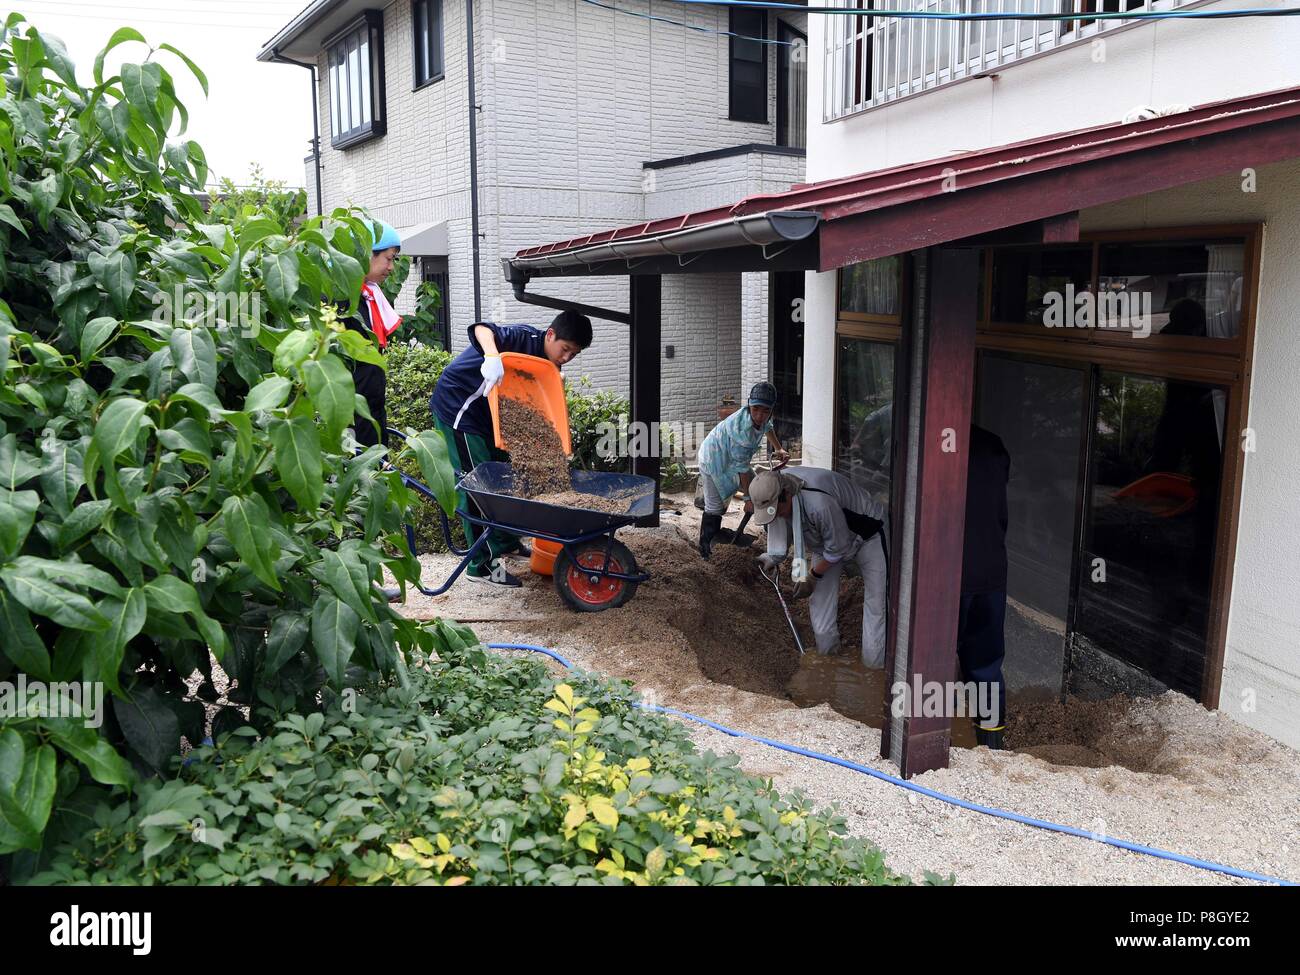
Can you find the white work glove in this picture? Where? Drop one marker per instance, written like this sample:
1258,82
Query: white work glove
492,372
768,562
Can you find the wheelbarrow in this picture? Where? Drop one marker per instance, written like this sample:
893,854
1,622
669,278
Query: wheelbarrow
593,570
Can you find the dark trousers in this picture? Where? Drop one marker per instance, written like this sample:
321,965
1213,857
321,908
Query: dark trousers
981,646
467,451
372,383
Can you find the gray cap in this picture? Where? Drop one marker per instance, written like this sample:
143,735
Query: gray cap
765,494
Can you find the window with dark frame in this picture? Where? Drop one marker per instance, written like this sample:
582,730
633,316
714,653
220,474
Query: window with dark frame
748,74
791,87
427,36
356,81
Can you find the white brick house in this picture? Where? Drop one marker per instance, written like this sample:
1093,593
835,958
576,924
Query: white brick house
588,118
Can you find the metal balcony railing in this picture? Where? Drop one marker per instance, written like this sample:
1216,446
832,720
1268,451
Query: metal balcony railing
874,60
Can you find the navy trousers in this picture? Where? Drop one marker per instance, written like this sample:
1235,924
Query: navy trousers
981,647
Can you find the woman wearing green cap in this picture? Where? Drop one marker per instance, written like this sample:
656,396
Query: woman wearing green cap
376,318
725,457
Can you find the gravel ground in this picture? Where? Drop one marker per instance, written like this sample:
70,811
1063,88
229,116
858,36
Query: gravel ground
1208,787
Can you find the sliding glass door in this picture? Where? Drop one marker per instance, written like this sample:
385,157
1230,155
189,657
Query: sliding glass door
1037,409
1156,463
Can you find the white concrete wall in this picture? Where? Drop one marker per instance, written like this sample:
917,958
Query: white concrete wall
574,99
695,306
701,321
1158,63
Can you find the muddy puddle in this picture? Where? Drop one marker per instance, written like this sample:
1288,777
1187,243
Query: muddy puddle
855,691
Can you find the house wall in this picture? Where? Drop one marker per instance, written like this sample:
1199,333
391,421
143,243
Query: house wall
574,99
695,306
1159,63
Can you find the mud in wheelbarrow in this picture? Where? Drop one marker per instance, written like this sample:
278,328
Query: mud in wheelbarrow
492,486
593,570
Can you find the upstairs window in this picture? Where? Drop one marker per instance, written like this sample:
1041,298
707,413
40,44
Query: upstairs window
748,96
427,30
356,81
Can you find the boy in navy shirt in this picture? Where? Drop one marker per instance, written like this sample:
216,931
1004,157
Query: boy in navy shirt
460,411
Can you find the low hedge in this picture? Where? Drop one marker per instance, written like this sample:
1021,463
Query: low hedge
413,371
521,779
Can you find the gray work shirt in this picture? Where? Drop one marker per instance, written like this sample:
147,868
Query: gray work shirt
824,527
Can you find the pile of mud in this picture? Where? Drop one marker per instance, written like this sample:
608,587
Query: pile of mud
691,618
1167,735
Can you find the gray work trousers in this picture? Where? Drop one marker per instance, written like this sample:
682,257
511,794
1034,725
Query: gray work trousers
824,603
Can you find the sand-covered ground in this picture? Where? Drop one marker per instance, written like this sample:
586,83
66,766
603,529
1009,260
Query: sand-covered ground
711,639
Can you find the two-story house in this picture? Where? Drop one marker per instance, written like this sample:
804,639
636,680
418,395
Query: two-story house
1081,234
585,116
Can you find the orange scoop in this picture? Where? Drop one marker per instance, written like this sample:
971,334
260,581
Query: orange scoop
1166,494
536,382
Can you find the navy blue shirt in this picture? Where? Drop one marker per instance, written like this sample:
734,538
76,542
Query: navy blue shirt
984,555
461,379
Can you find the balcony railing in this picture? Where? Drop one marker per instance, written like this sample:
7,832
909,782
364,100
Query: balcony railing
874,60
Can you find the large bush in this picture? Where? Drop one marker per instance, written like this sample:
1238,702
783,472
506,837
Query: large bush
524,781
413,371
175,480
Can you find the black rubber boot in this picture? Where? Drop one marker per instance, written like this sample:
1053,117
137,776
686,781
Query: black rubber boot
709,526
990,738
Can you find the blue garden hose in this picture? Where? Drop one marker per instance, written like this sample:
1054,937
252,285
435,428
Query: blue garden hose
931,793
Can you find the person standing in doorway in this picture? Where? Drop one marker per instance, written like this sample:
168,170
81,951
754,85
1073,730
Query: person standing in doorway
981,642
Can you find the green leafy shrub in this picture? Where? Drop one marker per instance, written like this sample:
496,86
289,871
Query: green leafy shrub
522,780
175,480
592,414
422,325
232,204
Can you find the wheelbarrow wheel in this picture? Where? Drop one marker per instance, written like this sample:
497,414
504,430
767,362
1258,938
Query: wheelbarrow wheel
584,590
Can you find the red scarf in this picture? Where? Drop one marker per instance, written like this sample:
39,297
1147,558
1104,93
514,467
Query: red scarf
384,321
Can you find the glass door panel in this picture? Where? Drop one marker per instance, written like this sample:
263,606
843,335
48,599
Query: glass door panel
1038,411
1153,504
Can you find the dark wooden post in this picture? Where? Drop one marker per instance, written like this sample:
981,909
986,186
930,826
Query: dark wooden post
644,301
937,439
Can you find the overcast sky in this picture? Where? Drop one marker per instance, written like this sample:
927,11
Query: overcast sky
255,113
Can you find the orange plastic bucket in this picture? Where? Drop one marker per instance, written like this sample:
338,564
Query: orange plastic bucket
543,558
536,382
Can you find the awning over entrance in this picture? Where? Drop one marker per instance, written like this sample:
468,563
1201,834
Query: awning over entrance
842,221
424,239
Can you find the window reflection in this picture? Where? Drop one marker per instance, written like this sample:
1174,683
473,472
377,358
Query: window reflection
871,287
1192,288
864,414
1157,461
1023,276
